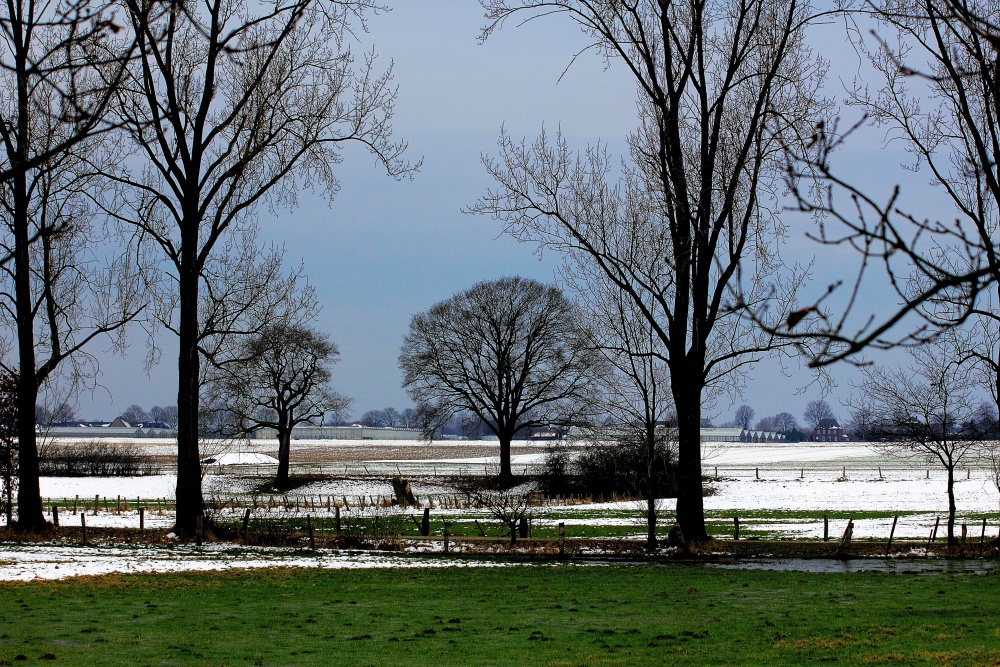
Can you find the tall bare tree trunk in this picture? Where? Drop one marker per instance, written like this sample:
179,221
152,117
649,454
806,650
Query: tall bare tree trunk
505,471
284,454
29,502
650,486
190,504
951,506
690,504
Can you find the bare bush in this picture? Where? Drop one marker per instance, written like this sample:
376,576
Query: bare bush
508,506
98,459
372,527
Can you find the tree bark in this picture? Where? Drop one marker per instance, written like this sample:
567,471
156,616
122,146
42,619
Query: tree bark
284,453
951,507
29,502
505,471
190,505
650,487
690,504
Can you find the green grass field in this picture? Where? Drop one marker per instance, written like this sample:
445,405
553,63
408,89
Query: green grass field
541,615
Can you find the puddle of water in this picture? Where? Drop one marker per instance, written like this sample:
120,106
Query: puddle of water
890,566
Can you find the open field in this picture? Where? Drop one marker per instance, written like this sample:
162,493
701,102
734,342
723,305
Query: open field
779,492
550,615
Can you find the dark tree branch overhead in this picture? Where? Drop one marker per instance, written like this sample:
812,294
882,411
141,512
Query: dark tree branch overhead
689,232
938,95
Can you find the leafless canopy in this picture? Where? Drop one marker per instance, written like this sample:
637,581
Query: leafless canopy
281,379
928,411
511,351
688,231
234,105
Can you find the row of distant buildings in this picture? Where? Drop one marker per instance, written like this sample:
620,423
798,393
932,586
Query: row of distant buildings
828,430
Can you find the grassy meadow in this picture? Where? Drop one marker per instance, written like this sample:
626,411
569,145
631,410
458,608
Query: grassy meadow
540,615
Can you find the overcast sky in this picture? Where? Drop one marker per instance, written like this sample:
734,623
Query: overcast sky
386,250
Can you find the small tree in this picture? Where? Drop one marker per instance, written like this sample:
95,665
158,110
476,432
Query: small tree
281,380
744,416
164,415
510,351
135,414
374,418
927,411
817,411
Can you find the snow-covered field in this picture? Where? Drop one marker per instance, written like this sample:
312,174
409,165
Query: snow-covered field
763,484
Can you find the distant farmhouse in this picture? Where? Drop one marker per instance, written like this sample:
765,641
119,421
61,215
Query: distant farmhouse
828,430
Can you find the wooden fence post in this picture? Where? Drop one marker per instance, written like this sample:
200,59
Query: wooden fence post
55,516
892,532
826,528
337,518
736,528
142,518
246,522
425,523
937,522
845,541
83,525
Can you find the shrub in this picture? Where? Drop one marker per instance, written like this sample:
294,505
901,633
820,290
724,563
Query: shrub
97,459
610,467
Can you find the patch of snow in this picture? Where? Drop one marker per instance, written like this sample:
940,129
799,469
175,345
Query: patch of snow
240,458
151,486
34,562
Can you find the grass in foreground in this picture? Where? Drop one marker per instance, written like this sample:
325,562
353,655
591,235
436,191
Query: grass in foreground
545,615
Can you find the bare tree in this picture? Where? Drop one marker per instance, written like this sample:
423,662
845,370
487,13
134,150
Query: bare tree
280,380
164,414
636,385
66,281
689,232
816,411
374,418
510,351
232,107
135,414
927,411
744,416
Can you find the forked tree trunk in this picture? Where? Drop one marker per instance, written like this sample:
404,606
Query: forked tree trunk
190,504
